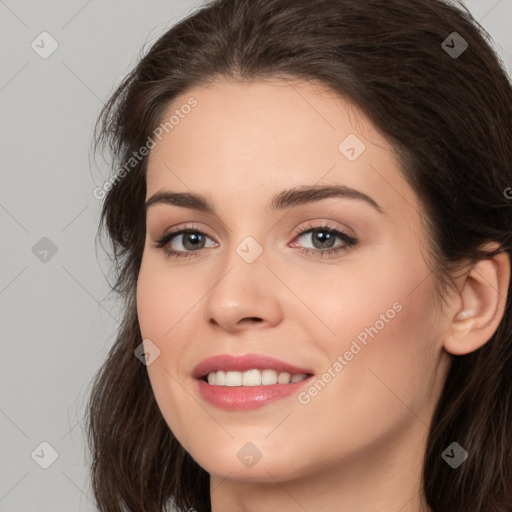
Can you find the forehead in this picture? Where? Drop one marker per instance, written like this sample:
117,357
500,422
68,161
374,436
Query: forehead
250,138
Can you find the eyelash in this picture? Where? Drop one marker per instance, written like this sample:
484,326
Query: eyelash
349,241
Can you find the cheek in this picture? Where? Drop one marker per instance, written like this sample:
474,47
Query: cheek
164,298
162,305
151,303
393,350
384,323
386,369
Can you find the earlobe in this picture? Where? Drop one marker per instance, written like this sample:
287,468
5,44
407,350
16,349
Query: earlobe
483,297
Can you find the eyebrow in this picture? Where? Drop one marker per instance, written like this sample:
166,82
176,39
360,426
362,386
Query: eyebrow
284,199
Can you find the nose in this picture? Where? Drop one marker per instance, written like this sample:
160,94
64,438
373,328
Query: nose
245,296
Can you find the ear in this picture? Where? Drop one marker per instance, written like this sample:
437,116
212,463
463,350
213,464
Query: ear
479,305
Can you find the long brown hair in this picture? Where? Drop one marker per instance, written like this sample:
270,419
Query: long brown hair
447,114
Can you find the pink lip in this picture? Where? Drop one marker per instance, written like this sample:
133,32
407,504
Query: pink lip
245,397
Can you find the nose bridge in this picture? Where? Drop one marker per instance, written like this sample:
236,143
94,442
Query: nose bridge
246,237
244,288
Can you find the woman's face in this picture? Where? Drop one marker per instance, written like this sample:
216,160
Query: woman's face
349,305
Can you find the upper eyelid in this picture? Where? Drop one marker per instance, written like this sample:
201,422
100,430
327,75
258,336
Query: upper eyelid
327,225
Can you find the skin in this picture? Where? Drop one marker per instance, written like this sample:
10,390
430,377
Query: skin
358,444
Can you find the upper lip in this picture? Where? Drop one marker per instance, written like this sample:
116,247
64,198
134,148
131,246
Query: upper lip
242,363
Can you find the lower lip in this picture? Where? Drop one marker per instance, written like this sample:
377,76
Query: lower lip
243,398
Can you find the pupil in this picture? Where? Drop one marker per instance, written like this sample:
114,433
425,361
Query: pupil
323,237
194,237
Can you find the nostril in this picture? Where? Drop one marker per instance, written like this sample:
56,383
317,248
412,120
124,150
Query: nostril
252,319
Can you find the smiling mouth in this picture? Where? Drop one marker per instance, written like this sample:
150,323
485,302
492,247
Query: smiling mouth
253,377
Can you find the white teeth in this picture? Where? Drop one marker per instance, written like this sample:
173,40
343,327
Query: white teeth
284,378
220,378
268,377
253,377
233,379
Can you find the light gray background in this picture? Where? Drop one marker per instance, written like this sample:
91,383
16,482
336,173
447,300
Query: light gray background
58,319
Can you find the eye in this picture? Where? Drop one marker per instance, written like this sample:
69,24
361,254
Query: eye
191,239
323,239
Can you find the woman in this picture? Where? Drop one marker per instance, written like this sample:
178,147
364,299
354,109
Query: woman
312,230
